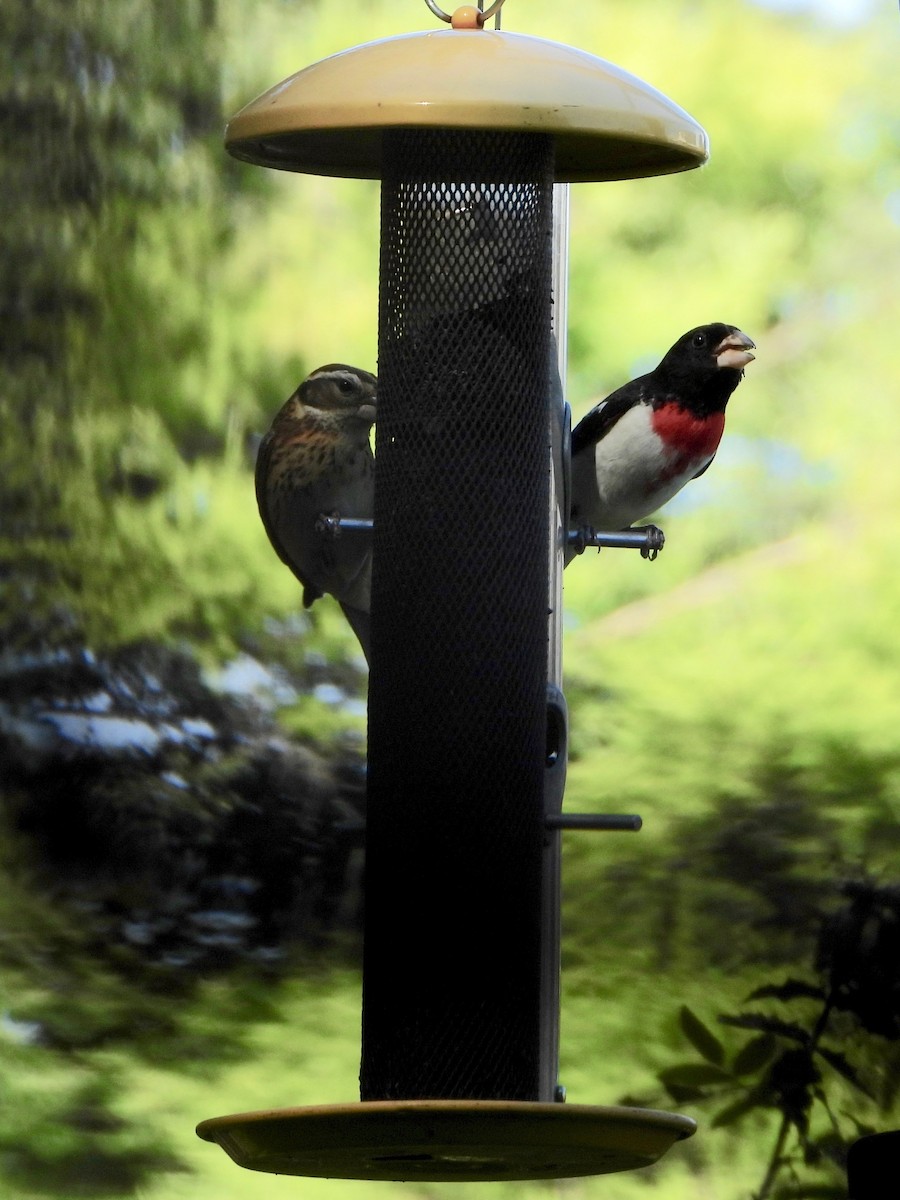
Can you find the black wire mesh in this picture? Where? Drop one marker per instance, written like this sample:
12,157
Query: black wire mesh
451,993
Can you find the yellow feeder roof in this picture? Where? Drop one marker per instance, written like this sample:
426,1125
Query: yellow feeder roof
329,118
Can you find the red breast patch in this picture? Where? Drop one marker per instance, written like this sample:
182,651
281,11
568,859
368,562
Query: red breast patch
688,436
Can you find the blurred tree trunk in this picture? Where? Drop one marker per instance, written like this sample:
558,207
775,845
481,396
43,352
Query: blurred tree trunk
101,108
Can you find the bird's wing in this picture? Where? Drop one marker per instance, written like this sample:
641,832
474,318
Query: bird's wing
360,623
263,460
598,422
702,469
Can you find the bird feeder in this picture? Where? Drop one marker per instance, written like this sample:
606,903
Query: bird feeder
472,132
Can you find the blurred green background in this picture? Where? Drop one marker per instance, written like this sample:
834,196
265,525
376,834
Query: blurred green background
182,749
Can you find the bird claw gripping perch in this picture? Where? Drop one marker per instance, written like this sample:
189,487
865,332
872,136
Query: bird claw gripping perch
656,540
649,539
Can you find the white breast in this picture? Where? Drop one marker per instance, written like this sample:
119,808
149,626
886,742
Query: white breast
626,476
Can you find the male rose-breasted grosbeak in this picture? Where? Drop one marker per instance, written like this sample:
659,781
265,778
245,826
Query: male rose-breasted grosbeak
634,450
316,460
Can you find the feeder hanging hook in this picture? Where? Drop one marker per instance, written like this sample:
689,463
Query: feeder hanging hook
482,17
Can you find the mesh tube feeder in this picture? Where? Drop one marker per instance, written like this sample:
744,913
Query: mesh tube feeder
470,131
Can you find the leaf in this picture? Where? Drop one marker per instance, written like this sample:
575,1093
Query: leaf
733,1112
684,1095
693,1075
791,989
630,1100
861,1129
794,1033
830,1147
840,1064
810,1191
701,1038
754,1054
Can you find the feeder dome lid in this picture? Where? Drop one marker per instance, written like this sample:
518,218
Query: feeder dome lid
329,118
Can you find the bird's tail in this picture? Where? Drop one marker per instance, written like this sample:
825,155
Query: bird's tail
360,623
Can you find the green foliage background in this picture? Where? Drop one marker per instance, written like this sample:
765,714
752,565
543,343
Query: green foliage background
741,693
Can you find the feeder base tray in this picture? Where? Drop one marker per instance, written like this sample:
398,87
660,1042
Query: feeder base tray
447,1140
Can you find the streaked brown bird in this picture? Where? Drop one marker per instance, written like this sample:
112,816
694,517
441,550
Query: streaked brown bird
317,460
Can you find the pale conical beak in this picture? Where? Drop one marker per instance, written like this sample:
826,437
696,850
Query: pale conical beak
734,351
366,411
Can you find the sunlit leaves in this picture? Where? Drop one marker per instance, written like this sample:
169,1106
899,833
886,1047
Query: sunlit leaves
786,1068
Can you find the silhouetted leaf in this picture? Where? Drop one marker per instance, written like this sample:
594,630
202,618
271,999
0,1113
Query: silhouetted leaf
733,1112
862,1129
635,1100
754,1054
764,1024
693,1075
684,1095
810,1191
830,1147
791,989
840,1064
701,1038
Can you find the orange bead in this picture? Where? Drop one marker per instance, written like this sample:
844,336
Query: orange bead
467,17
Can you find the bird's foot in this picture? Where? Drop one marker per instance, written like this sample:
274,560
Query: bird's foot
656,539
582,537
333,525
329,524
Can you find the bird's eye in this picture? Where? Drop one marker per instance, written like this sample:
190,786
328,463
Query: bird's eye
699,339
345,386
